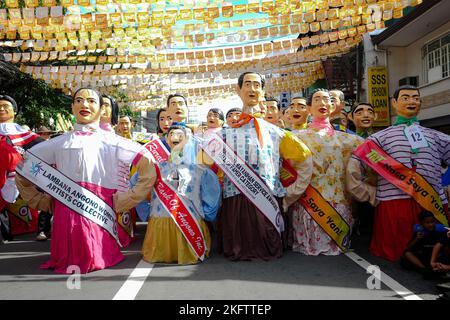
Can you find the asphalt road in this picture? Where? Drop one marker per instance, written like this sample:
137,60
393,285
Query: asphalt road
293,277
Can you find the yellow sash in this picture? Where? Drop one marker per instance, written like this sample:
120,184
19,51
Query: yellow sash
326,216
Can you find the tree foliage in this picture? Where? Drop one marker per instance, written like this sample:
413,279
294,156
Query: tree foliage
124,110
37,101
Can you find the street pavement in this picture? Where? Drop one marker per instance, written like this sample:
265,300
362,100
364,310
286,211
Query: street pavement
293,277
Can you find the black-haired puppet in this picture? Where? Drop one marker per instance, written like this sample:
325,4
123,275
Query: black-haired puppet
249,229
185,195
215,120
363,116
232,116
297,114
87,171
177,107
123,128
326,190
407,158
110,113
12,221
272,111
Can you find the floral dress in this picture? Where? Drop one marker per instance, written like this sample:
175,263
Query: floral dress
330,155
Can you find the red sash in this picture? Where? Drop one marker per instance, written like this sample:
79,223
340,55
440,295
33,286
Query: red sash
158,151
288,175
407,180
181,215
179,212
22,139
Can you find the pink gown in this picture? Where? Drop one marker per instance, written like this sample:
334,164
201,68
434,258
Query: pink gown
99,162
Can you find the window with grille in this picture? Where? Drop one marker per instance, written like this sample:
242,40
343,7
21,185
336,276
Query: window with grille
436,59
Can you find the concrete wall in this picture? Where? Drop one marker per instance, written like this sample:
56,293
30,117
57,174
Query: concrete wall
407,62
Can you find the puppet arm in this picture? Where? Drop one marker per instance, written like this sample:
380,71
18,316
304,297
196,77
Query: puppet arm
299,157
124,201
32,196
356,184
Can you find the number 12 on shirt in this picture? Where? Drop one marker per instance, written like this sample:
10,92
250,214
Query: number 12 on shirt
416,137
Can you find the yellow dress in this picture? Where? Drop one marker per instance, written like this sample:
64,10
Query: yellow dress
200,190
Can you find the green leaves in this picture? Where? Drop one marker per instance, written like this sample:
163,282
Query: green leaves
36,100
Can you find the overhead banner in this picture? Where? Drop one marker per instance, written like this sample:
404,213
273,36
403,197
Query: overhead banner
379,95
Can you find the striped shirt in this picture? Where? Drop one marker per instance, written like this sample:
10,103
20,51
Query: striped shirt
427,160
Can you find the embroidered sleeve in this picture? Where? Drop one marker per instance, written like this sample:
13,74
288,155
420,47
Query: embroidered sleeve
124,201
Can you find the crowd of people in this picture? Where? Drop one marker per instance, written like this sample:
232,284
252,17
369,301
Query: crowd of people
256,181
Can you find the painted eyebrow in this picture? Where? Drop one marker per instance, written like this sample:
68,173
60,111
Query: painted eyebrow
88,98
408,95
360,107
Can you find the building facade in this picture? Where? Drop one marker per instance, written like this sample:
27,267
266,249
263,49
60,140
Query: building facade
416,50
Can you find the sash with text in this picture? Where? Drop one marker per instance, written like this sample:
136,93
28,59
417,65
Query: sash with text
407,180
244,178
323,213
69,193
183,218
158,151
326,216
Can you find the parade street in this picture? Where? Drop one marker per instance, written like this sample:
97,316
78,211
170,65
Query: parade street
293,277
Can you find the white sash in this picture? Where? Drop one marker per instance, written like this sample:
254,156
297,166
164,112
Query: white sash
69,193
244,178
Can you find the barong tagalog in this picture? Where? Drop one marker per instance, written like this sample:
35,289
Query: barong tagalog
403,178
244,178
68,192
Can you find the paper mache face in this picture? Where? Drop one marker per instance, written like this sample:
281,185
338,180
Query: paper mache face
407,104
176,138
272,113
124,125
6,111
233,118
363,116
321,106
213,120
297,111
165,121
86,106
106,111
177,109
251,92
